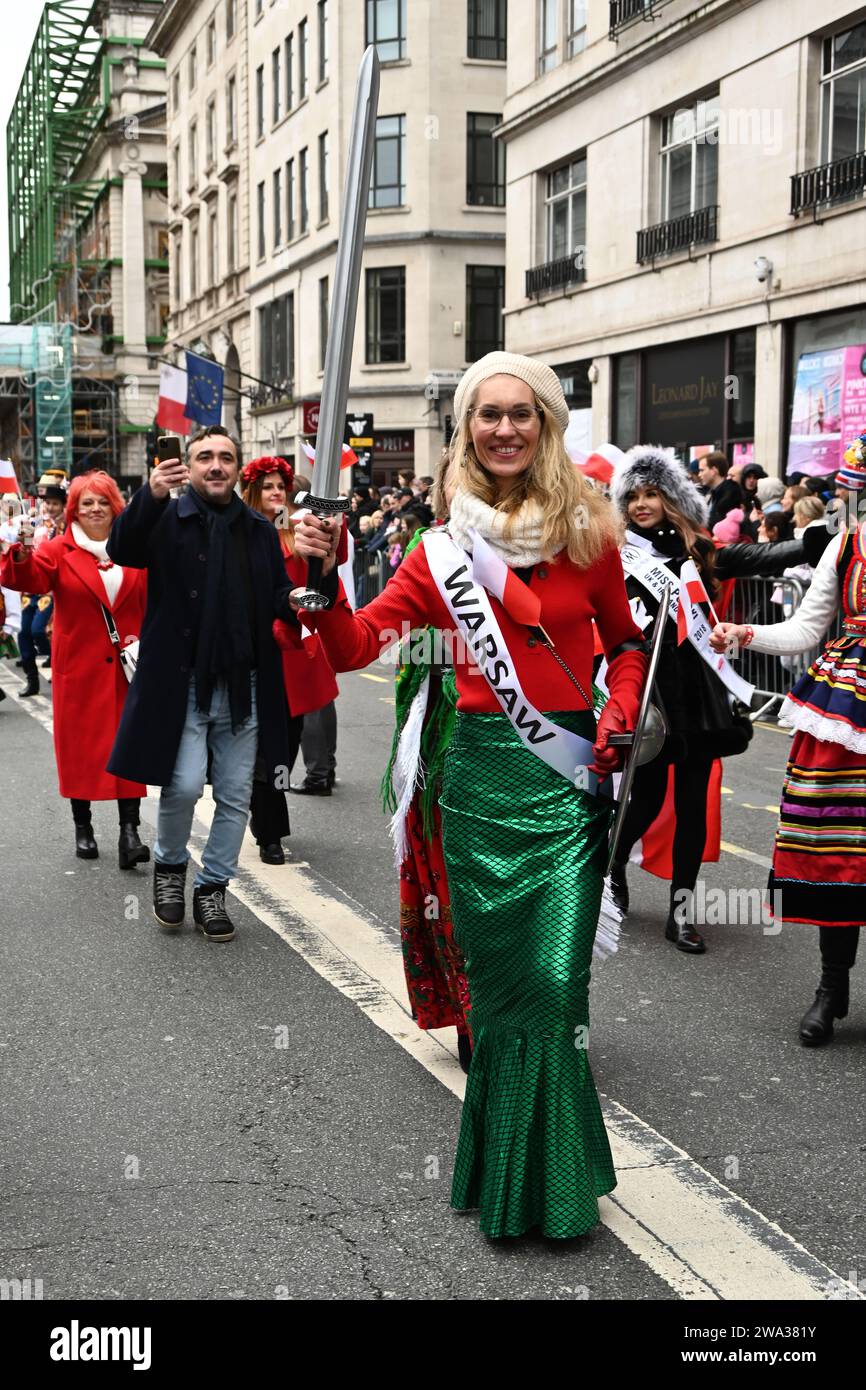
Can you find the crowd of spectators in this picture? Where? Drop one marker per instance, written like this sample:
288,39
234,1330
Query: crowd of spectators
384,520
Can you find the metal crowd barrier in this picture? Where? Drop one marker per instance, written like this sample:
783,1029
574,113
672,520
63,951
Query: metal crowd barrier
372,573
762,600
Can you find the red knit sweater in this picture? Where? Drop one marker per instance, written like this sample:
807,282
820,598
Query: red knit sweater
570,598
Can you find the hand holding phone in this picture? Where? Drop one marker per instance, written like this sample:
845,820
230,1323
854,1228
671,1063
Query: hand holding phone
171,474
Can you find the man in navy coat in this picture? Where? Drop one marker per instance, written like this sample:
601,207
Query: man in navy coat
209,679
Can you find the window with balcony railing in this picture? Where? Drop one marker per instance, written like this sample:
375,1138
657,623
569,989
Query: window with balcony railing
690,158
565,231
843,94
678,234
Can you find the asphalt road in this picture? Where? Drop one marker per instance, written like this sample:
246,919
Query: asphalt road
189,1121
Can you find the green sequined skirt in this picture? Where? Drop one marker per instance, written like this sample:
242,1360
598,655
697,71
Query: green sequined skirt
525,857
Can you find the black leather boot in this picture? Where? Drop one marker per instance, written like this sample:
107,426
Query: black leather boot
678,929
130,850
272,854
169,905
816,1025
619,885
85,845
30,671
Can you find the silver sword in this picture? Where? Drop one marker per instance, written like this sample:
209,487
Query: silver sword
323,500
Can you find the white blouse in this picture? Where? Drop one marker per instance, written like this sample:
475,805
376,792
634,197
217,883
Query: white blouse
812,619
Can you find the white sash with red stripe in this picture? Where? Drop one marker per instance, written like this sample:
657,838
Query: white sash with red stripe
642,563
469,606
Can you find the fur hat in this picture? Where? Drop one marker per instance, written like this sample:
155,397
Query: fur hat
543,380
649,465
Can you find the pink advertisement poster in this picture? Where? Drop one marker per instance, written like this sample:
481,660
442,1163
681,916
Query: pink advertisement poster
829,408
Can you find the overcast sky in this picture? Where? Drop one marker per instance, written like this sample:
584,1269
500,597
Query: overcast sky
20,22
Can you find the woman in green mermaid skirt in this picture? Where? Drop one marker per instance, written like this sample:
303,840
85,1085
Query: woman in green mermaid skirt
524,847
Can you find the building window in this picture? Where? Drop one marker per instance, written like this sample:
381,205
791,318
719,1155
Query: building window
260,207
177,267
323,40
843,94
565,205
486,22
289,47
260,102
276,87
260,8
193,67
211,43
576,35
213,261
387,183
547,37
231,18
175,173
210,130
323,176
386,28
175,93
485,301
193,156
290,199
277,342
231,112
485,161
232,233
690,158
386,314
303,61
193,262
323,321
304,205
278,207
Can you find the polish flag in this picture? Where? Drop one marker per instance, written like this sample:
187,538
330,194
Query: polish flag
654,850
598,464
172,401
8,480
348,458
691,591
518,600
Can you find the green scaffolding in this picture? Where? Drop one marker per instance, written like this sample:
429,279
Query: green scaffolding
60,103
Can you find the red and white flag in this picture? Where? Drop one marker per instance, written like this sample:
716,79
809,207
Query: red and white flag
8,480
172,401
691,591
492,573
348,458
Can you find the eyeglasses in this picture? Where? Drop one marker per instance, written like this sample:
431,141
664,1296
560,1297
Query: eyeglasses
521,416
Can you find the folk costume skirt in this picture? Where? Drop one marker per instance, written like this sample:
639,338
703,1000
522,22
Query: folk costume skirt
525,857
819,863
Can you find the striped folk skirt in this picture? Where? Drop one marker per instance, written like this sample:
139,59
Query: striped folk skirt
819,864
525,853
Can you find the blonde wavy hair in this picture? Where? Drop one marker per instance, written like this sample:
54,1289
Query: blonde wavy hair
576,517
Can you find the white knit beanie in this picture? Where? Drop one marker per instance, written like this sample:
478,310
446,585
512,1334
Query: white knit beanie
541,378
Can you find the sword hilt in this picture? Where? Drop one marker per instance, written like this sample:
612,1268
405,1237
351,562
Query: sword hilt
323,507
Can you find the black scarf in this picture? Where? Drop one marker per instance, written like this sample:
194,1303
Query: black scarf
665,538
226,647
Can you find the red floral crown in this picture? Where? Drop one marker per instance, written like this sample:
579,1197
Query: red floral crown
259,468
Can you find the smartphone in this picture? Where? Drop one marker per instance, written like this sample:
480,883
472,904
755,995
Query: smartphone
168,447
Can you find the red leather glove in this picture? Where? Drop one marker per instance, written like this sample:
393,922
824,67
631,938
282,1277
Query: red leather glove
626,677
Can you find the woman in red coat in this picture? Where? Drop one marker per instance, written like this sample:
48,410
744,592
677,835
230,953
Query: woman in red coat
308,675
528,560
89,685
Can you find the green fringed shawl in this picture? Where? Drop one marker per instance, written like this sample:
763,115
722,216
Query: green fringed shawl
438,720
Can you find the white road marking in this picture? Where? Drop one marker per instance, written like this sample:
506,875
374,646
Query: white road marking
696,1234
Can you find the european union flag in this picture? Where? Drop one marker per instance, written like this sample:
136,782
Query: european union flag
204,390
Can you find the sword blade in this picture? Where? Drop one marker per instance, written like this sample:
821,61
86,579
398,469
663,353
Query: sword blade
347,275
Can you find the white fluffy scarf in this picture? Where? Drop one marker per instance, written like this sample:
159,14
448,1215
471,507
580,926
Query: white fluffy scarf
522,546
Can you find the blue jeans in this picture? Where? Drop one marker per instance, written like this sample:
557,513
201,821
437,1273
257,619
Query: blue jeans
233,758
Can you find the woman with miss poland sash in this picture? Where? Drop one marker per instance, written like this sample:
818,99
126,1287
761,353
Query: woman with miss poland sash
819,863
528,560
